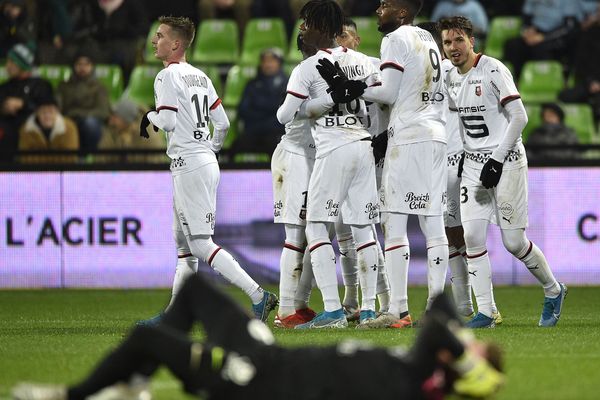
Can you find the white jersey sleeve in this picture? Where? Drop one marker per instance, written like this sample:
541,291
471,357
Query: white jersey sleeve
417,115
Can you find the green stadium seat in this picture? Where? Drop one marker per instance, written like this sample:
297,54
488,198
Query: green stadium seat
251,158
541,81
54,74
287,67
237,78
233,131
534,119
262,33
217,42
212,71
112,77
294,56
3,75
580,118
141,84
370,37
501,29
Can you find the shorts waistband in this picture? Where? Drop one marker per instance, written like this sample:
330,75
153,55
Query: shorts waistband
454,159
482,158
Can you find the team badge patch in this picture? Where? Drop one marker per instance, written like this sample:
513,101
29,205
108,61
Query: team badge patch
478,90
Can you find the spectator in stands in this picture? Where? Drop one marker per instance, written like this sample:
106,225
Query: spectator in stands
54,31
122,133
239,10
16,26
47,129
549,28
472,9
274,9
553,131
112,29
258,107
19,97
84,99
586,65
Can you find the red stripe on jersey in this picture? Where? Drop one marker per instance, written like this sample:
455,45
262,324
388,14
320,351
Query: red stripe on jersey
345,49
477,58
185,255
213,256
508,99
389,64
298,95
456,254
215,104
326,50
166,108
292,247
364,246
528,250
483,253
395,247
316,246
173,62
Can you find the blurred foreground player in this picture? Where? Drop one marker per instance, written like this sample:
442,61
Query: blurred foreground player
239,359
186,103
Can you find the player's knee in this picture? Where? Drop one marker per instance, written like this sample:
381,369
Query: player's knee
474,239
202,247
316,231
436,241
515,242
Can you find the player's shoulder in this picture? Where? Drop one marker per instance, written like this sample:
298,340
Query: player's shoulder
491,65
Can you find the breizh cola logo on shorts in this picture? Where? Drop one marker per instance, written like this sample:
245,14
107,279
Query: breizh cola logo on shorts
417,201
332,208
372,210
277,207
210,219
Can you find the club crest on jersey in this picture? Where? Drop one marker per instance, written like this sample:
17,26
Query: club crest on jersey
478,90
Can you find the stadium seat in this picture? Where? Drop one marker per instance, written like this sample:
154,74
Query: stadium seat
534,119
141,84
580,118
501,29
217,42
541,81
287,67
237,77
251,158
294,56
370,37
233,131
54,74
111,77
3,75
262,33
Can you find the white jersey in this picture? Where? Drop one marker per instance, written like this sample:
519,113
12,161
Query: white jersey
454,145
343,123
379,114
418,113
182,88
479,97
298,138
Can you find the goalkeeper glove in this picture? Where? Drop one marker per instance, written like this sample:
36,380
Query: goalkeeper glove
490,173
145,125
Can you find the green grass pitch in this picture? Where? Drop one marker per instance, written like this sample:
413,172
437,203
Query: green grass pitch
58,335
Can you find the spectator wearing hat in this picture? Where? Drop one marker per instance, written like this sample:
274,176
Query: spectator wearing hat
553,131
19,97
123,133
258,107
84,99
48,129
15,25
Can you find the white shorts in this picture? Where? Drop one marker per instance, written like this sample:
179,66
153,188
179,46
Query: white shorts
195,199
342,184
414,179
505,205
452,215
290,173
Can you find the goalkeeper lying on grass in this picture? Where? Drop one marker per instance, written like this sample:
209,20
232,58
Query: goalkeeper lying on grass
239,360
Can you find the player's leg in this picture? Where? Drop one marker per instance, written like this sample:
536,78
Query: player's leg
517,243
368,258
349,265
290,266
383,284
432,227
461,285
187,264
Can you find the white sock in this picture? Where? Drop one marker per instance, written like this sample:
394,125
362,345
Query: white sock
461,287
226,265
349,264
187,266
306,283
383,284
480,273
290,270
397,257
536,263
367,260
323,261
437,262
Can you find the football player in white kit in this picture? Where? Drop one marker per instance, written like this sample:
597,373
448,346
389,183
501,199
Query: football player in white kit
414,172
494,178
291,166
378,118
186,103
342,184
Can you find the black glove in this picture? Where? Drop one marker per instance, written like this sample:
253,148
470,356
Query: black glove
490,173
379,145
342,90
144,124
348,91
461,164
